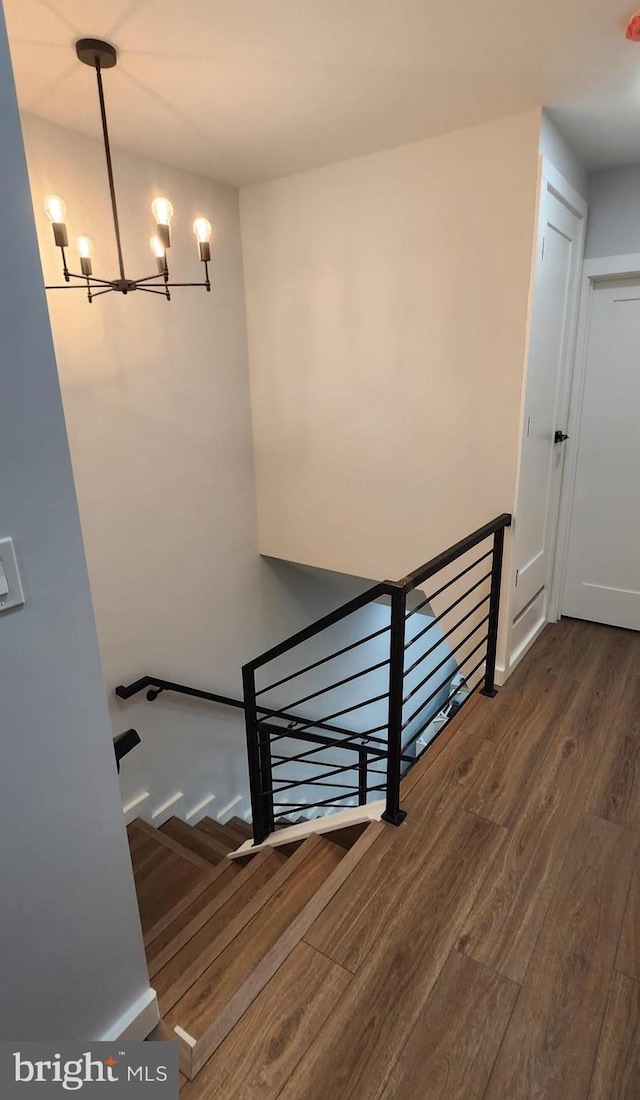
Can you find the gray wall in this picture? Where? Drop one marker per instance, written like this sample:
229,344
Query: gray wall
613,228
72,957
556,148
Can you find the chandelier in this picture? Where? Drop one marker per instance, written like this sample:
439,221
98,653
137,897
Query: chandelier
102,55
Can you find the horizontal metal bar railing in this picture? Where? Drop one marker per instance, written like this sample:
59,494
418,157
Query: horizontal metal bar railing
323,660
430,568
449,609
416,664
334,617
434,595
331,687
443,662
414,737
407,722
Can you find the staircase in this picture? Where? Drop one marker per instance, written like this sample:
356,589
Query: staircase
216,929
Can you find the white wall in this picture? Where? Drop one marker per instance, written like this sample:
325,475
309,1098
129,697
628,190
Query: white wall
72,956
555,147
613,228
387,303
156,398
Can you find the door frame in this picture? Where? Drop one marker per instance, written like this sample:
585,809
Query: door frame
553,181
599,270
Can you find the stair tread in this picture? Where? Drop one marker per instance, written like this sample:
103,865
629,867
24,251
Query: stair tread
204,845
244,828
224,833
224,976
162,876
190,938
183,919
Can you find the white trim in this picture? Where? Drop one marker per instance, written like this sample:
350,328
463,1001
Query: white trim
597,270
553,182
184,1035
137,1022
359,815
167,809
131,809
200,809
230,806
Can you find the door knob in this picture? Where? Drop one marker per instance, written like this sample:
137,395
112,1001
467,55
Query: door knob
560,437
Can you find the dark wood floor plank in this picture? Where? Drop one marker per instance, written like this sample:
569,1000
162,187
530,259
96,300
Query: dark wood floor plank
550,1045
615,794
257,1059
357,1048
617,1070
451,1050
498,795
628,957
356,919
504,923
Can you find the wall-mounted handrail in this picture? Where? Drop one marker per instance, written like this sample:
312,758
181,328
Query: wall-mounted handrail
124,743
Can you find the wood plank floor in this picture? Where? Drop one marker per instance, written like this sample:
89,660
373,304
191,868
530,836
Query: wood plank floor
489,948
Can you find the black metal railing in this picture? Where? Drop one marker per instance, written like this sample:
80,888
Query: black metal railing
399,681
374,683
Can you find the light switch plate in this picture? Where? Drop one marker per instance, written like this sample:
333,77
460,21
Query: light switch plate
14,597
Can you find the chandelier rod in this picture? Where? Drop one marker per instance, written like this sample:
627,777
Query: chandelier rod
107,150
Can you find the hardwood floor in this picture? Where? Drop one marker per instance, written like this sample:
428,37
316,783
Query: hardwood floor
489,948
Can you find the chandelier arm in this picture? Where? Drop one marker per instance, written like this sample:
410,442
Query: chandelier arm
152,290
107,151
97,293
149,278
207,285
94,279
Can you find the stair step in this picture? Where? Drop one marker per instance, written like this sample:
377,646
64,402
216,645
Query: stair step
224,833
163,872
243,828
231,967
204,845
190,935
216,880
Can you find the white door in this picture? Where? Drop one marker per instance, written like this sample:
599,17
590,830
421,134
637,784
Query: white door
553,326
603,564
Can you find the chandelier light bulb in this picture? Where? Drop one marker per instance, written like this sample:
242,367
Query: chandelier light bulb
157,248
160,252
202,230
85,248
55,209
162,211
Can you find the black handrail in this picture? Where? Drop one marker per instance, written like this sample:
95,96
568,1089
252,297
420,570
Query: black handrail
124,743
260,733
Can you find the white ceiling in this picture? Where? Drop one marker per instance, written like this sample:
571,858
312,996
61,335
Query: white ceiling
244,90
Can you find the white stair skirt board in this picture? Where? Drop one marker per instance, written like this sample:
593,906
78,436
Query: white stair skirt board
137,1022
136,807
225,812
359,815
200,810
170,808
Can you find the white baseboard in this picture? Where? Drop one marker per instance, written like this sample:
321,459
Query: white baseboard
137,807
200,810
137,1022
171,807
